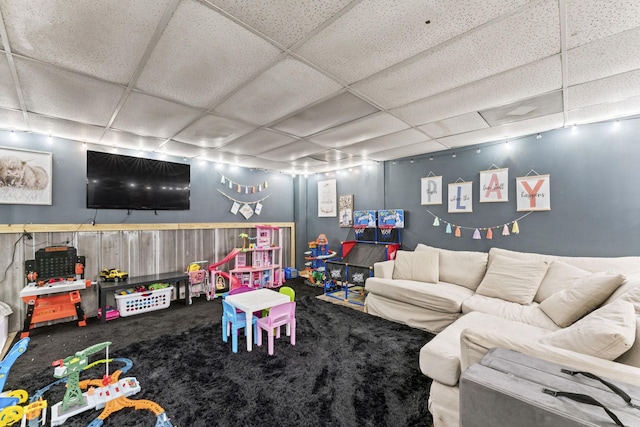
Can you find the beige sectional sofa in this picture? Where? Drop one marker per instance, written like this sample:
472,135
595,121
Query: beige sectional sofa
583,312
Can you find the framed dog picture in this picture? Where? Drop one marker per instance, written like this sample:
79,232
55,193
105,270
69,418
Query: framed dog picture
25,177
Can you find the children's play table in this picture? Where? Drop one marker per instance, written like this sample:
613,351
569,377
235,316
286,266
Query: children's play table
252,301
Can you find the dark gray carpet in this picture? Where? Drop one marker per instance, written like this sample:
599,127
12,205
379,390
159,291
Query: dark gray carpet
347,369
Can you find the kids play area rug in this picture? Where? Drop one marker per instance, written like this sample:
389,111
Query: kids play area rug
347,369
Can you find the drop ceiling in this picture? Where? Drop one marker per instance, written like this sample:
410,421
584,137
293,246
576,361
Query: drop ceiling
306,86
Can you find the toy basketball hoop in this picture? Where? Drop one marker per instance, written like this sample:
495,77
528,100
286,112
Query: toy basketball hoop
385,231
359,231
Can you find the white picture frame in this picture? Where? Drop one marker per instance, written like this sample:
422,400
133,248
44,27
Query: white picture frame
25,177
431,190
494,185
327,199
533,193
460,197
345,210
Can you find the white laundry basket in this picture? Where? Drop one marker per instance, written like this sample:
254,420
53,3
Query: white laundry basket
142,302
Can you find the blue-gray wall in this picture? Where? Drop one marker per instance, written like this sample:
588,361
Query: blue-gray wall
595,208
207,203
594,205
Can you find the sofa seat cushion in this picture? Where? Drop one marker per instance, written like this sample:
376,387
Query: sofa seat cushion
528,314
440,357
443,297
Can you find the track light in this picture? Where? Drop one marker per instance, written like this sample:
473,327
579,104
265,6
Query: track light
430,157
478,150
538,136
411,161
454,155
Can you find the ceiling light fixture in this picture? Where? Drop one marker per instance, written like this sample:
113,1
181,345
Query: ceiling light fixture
478,150
574,127
454,155
411,161
538,136
430,157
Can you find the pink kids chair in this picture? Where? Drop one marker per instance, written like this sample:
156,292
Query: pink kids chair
283,314
232,322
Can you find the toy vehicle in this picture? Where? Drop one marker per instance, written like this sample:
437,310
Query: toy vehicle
113,274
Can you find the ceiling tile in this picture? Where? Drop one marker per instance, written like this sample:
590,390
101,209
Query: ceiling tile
408,151
120,139
386,142
506,44
610,110
212,131
382,33
293,151
308,162
223,157
610,89
65,129
537,106
8,94
359,130
147,115
54,92
257,142
284,88
202,57
460,124
589,20
84,35
284,22
258,163
326,114
12,119
505,132
541,77
603,58
330,156
181,149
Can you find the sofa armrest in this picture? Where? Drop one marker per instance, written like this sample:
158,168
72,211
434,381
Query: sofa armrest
474,343
383,269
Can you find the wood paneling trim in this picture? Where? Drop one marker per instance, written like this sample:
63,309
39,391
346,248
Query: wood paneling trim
53,228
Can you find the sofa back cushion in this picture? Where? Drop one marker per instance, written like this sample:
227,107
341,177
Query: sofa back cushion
586,293
464,268
510,279
560,276
632,356
607,332
421,266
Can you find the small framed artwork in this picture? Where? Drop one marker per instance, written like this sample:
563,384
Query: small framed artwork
327,198
533,193
345,210
431,190
460,197
25,177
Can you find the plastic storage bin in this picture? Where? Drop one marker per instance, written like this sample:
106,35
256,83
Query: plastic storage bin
142,302
290,273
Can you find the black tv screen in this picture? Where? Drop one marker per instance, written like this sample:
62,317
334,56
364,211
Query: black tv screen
115,181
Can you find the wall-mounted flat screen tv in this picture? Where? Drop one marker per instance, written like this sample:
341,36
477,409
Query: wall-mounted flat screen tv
116,181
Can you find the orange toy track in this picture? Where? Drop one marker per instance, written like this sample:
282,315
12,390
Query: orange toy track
122,402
